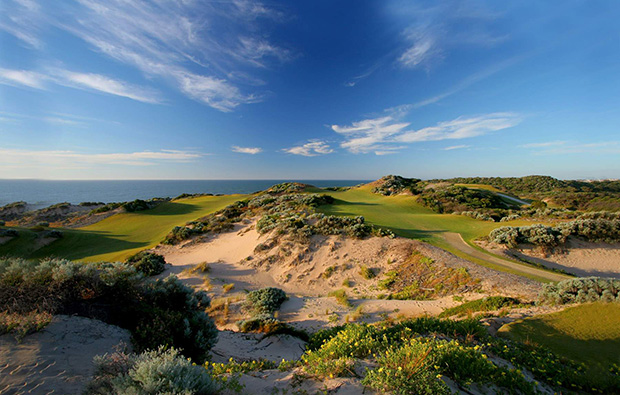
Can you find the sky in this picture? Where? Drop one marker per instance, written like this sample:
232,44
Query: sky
191,89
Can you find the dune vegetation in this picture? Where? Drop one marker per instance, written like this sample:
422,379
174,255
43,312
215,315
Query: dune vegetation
119,236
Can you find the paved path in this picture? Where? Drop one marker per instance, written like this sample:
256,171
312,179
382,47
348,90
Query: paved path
456,241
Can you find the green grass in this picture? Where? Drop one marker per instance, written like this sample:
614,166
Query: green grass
588,333
119,236
490,303
406,217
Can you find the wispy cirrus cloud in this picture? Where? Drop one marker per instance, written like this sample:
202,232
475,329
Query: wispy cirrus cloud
27,78
311,148
55,157
106,84
438,28
84,81
453,147
247,150
195,46
389,134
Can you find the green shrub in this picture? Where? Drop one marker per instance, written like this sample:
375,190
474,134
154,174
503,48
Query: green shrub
265,300
147,262
2,222
151,372
341,297
264,323
581,290
367,272
407,370
8,233
156,312
490,303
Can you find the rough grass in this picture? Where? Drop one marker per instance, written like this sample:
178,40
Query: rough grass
121,235
491,303
22,324
588,333
341,297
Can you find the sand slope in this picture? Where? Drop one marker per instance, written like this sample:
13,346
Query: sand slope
577,256
57,360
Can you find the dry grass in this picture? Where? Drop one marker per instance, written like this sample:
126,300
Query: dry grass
23,324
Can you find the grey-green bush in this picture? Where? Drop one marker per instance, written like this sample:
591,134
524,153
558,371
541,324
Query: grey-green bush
265,300
581,290
149,263
151,372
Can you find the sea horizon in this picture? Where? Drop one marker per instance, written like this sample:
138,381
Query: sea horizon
39,193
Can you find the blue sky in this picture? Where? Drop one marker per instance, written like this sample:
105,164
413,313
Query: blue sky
191,89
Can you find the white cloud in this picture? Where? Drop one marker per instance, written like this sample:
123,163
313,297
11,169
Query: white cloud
422,49
453,147
22,77
441,27
388,134
56,157
311,148
87,81
161,38
105,84
247,150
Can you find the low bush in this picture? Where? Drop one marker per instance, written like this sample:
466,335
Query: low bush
367,273
24,324
581,290
490,303
265,300
149,263
8,233
156,312
159,371
263,323
341,297
2,222
598,229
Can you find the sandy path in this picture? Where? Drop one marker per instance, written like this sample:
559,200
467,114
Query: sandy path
57,360
456,241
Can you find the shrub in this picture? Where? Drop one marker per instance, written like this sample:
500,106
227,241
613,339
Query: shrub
341,297
367,272
23,324
264,323
2,222
156,312
265,300
580,290
407,370
147,262
490,303
151,372
8,233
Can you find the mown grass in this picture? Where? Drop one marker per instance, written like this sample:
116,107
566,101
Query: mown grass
119,236
588,333
407,218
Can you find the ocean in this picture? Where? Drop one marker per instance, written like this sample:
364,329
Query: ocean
43,193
